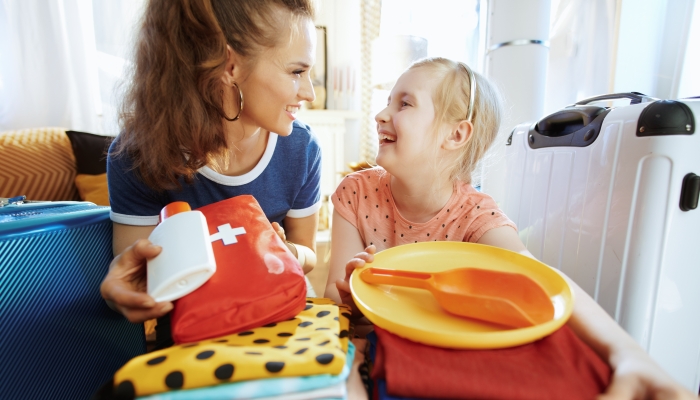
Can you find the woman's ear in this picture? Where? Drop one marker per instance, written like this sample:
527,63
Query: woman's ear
459,136
232,67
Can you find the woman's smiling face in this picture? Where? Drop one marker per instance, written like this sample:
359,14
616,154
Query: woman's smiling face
406,125
279,81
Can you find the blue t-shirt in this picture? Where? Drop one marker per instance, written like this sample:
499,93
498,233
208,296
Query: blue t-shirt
285,182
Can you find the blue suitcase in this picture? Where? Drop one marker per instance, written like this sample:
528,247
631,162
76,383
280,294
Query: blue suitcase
58,338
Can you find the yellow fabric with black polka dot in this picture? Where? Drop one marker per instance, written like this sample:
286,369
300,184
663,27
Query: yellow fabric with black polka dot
314,342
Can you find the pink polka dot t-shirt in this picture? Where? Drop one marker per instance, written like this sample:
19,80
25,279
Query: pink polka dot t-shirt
364,199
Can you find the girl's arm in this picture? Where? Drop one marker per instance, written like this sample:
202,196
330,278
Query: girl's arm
302,232
636,375
346,243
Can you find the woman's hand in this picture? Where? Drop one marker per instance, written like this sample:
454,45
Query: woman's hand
308,256
292,248
343,285
280,231
637,376
124,287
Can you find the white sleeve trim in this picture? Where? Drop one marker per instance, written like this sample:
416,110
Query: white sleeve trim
149,220
304,212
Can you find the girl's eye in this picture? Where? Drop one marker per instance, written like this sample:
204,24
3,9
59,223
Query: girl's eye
404,104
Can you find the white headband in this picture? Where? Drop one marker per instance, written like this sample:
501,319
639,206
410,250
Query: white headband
472,87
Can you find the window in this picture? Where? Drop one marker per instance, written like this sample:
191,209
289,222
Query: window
690,80
115,29
413,29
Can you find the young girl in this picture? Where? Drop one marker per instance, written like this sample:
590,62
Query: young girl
440,120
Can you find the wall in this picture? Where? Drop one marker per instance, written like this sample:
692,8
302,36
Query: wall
342,21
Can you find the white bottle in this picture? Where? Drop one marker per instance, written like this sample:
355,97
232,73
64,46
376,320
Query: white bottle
187,259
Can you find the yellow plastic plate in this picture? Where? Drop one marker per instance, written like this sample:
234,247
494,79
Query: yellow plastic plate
415,314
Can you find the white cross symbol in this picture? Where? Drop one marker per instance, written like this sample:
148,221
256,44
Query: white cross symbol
226,234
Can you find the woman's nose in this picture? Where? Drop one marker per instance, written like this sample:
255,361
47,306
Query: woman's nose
306,90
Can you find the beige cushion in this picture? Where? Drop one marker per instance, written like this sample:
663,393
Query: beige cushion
93,188
38,163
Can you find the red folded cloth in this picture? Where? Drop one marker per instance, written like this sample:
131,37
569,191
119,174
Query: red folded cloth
560,366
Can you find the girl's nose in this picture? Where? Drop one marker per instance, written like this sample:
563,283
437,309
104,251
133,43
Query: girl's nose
383,116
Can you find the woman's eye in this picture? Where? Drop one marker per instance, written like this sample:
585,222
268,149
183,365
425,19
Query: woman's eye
298,72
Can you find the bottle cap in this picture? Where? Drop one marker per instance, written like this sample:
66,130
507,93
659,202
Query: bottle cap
173,208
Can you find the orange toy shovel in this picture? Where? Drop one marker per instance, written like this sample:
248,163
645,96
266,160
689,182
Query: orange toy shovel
504,298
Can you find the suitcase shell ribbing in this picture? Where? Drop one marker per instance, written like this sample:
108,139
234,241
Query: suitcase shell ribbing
59,339
608,215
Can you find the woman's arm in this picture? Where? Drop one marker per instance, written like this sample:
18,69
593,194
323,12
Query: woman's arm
124,287
126,235
635,374
302,232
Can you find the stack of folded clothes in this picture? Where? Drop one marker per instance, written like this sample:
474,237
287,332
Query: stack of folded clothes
559,366
307,357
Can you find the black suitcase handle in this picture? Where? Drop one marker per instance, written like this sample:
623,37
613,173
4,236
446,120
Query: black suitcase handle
635,98
573,126
567,120
578,124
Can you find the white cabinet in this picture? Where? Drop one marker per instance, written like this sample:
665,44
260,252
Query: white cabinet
329,126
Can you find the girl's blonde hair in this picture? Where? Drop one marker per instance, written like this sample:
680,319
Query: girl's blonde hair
451,100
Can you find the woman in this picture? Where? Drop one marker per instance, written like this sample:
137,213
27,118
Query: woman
209,115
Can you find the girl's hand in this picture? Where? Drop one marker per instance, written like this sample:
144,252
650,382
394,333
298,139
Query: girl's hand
124,287
343,286
637,376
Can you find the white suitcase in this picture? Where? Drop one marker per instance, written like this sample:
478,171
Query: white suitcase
609,197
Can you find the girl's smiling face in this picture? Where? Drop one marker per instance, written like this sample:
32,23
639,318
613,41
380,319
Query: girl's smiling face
405,127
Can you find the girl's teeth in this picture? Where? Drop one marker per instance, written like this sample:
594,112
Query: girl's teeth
384,137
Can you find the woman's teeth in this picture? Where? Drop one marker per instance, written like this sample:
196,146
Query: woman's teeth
292,109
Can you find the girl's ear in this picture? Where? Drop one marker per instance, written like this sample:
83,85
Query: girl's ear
232,68
460,135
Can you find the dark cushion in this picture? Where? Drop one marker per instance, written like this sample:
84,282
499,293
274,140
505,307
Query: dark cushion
90,151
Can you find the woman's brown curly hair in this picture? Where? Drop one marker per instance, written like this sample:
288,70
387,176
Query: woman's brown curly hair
171,115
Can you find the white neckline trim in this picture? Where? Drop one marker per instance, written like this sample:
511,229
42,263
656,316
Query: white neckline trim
248,176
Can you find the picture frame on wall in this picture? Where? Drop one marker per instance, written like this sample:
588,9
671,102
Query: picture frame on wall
319,72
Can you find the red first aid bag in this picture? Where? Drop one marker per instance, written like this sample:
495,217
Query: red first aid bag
257,280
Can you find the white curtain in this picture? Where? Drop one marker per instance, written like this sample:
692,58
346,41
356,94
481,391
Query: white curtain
370,22
689,84
48,73
582,41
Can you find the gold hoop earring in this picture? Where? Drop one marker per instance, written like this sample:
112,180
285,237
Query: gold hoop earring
240,104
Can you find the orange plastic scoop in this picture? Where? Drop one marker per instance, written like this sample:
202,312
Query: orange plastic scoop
504,298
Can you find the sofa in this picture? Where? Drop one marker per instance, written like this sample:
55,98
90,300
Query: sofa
54,164
59,338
